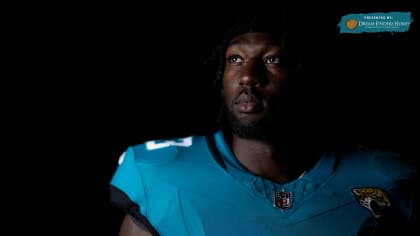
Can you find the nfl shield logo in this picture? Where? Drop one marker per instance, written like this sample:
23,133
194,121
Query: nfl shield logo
283,199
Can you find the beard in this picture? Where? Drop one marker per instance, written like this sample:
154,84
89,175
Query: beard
266,128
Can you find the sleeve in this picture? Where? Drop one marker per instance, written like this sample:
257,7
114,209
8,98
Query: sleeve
394,166
126,185
405,176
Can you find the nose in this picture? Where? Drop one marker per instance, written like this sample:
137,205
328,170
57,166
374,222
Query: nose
251,74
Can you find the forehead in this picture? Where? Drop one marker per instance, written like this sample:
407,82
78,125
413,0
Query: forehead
255,38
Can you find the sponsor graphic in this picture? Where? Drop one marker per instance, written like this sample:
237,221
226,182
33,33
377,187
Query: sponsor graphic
375,22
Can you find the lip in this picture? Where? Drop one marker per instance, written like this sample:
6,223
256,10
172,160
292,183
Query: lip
248,107
248,104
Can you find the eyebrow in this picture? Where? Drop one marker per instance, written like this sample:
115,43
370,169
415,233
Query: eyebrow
234,42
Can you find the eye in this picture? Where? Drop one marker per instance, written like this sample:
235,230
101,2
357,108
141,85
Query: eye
234,59
272,60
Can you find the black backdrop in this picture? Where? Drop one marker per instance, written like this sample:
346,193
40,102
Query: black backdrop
97,77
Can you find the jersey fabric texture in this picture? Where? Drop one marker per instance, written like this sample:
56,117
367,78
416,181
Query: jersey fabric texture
195,186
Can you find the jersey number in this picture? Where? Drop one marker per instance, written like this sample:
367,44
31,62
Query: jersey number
181,142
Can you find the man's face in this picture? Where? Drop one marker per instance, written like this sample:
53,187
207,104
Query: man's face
254,84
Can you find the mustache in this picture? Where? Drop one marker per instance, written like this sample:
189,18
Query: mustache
247,95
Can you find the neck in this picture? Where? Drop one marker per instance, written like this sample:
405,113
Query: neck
278,162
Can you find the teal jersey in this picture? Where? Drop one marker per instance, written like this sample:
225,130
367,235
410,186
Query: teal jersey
195,186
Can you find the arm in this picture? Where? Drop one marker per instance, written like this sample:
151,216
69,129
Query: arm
130,227
125,185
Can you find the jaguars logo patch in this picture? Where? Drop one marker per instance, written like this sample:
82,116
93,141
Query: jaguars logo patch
375,200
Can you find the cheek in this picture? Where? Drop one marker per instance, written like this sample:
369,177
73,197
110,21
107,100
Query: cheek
224,82
277,77
227,91
230,73
276,85
228,83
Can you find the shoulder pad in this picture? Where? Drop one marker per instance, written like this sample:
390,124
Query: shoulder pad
386,163
160,150
394,166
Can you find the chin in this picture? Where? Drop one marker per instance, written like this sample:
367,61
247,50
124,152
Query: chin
252,127
248,119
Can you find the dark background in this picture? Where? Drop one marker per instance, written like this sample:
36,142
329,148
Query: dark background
87,80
